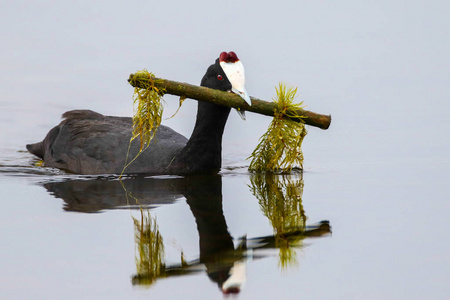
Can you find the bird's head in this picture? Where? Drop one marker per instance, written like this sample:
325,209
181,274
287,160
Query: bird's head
234,69
215,78
227,74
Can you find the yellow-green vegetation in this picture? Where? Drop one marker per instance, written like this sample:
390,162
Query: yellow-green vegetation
149,249
279,149
280,199
148,109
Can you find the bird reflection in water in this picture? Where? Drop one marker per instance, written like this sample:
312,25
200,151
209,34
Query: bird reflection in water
92,195
279,198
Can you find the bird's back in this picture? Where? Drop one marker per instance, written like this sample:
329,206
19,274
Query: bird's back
86,142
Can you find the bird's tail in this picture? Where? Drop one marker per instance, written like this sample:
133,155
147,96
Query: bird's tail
36,149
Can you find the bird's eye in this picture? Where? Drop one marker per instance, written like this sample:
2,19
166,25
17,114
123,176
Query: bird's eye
219,77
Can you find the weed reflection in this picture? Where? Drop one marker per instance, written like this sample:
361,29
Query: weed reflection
149,249
280,199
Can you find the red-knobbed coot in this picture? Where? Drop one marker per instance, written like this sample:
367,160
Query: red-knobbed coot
86,142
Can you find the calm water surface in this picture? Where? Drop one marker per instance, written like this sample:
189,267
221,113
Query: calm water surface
379,175
82,237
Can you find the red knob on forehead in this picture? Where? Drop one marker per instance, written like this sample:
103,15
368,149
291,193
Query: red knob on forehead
223,56
228,57
232,56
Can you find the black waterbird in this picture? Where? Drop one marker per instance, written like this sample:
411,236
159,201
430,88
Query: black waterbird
86,142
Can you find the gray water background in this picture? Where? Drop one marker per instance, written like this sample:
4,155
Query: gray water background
379,174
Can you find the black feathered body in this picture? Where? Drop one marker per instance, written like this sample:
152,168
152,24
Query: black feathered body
86,142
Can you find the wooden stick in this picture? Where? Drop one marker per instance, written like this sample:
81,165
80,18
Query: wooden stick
225,99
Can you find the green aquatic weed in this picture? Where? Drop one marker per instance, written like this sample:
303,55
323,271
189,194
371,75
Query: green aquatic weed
279,149
148,110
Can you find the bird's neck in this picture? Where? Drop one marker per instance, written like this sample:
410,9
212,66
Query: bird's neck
204,197
203,151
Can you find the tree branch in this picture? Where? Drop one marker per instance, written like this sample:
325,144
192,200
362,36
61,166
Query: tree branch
225,99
